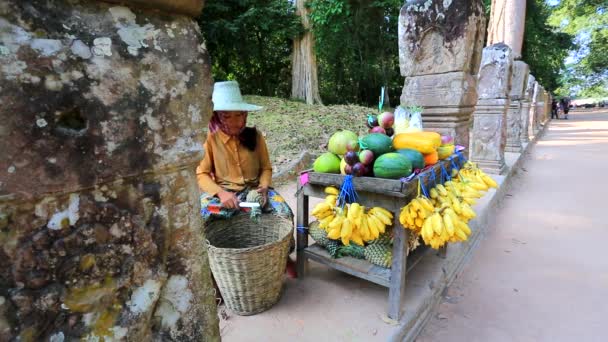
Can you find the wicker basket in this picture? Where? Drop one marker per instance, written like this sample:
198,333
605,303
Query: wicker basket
248,260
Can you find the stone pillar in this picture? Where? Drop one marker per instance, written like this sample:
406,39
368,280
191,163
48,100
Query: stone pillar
514,114
540,107
489,134
507,24
535,115
440,45
526,107
529,116
103,109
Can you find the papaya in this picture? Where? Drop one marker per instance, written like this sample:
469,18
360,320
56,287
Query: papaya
423,142
431,158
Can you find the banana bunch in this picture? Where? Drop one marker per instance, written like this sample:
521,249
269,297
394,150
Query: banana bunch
444,226
351,223
475,178
412,216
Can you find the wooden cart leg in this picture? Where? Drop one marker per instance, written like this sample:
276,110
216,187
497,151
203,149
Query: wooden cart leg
443,252
398,269
302,232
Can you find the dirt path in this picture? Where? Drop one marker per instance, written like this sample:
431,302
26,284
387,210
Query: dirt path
541,273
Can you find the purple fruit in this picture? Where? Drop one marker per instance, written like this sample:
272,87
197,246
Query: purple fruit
372,121
351,158
348,169
386,119
352,146
359,170
377,129
389,131
366,157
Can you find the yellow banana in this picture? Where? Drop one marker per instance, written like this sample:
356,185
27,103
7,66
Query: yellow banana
334,233
330,190
461,235
427,230
384,211
416,205
441,189
418,222
357,239
468,212
456,205
437,223
336,222
374,232
489,181
384,219
464,228
331,200
321,207
377,223
347,230
449,225
326,221
426,204
434,193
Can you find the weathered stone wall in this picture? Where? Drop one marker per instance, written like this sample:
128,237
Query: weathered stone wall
440,45
515,125
102,110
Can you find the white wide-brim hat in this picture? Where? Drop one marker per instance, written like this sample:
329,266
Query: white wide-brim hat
227,97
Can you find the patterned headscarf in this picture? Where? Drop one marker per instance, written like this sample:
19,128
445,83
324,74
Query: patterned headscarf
247,136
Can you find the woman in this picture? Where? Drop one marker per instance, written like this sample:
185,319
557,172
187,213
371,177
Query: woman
236,161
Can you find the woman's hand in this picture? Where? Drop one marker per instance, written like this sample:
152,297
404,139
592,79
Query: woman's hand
228,199
263,190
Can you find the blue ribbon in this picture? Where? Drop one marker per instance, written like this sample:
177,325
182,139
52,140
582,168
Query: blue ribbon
423,187
444,174
347,192
302,229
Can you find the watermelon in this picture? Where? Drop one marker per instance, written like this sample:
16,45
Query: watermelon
377,143
415,157
327,163
393,166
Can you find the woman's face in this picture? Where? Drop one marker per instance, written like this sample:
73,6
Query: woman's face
233,121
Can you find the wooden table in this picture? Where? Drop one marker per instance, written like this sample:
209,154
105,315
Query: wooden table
389,194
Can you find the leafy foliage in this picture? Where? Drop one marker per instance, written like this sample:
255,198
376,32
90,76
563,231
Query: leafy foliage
357,49
544,48
588,20
251,41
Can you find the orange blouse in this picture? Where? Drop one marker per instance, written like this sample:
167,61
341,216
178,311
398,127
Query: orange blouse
230,166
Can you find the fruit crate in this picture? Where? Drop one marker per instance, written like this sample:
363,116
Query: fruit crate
389,194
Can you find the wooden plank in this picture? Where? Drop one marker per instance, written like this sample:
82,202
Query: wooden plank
369,184
359,268
396,292
302,234
367,199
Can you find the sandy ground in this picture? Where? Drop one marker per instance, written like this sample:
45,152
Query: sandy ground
541,274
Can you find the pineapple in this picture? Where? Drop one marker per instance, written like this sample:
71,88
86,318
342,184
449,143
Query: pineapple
332,248
352,250
385,238
381,255
318,234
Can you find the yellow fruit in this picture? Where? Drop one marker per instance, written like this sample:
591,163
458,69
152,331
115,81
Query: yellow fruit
321,207
336,222
449,225
461,235
457,207
434,193
330,190
356,238
334,233
437,223
419,222
427,230
384,219
377,223
426,204
331,200
416,205
468,212
464,228
326,221
384,211
441,189
347,229
374,232
489,181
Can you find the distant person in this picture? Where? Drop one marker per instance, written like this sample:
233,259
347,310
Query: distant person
565,102
554,109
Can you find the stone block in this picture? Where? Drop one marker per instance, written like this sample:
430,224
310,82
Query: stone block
519,83
437,36
104,108
489,135
495,72
514,127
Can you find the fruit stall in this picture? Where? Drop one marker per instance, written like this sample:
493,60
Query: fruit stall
388,202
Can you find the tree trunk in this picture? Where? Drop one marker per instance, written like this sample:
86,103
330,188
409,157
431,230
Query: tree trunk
304,81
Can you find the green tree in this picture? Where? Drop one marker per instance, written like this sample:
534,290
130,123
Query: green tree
357,49
588,21
545,49
251,41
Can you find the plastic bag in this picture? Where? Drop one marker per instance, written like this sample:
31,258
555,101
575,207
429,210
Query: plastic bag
415,119
402,120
